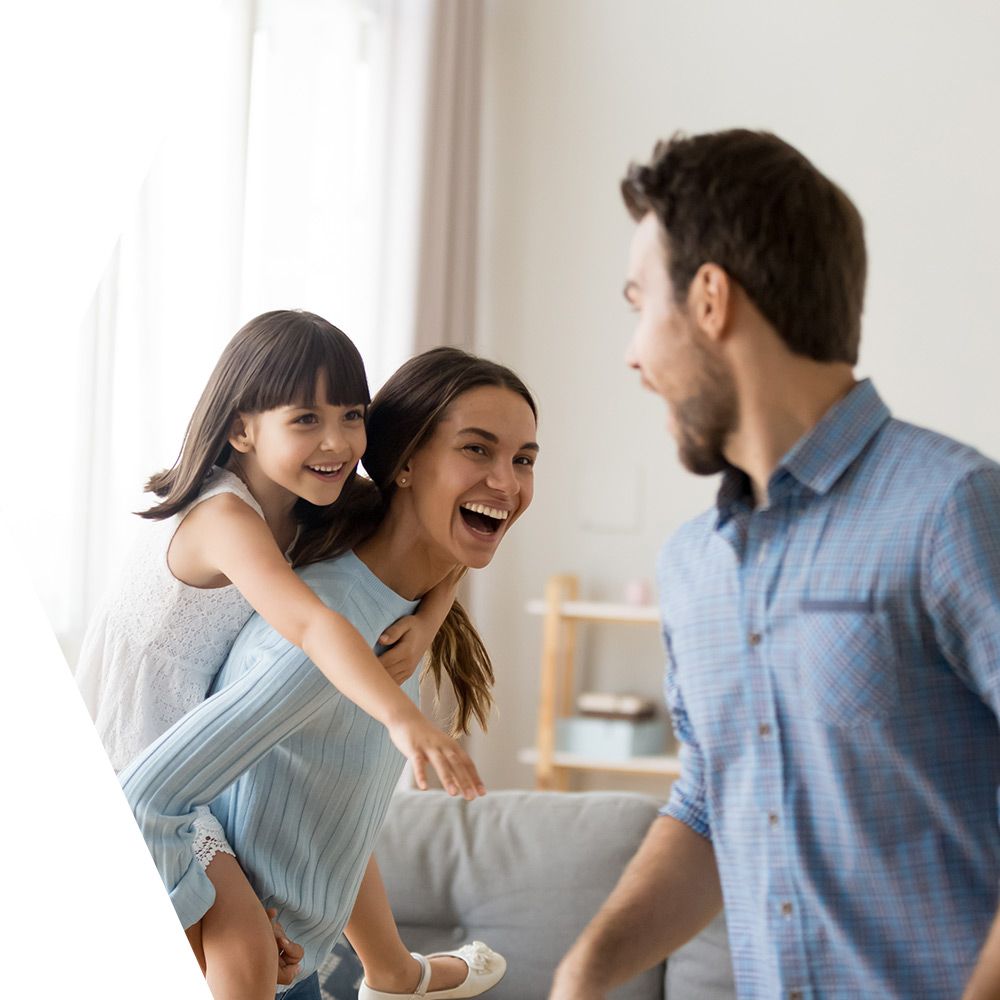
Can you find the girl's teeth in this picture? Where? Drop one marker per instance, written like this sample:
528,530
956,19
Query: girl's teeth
481,508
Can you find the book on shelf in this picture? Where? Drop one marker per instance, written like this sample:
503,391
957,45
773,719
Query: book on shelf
609,705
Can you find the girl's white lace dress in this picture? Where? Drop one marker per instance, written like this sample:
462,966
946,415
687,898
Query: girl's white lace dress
156,644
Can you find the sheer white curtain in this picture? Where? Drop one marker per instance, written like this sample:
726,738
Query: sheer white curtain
312,162
371,218
166,303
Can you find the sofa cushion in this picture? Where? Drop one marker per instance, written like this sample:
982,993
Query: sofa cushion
522,871
702,969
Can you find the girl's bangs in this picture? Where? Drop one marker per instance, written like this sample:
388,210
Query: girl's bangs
303,358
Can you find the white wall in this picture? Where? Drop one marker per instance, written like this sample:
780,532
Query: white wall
896,101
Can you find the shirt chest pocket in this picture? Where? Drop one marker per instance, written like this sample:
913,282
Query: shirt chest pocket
847,663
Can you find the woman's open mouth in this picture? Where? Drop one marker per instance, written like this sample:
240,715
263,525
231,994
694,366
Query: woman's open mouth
482,519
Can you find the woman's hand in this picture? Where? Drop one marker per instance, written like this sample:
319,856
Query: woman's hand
289,953
410,637
423,743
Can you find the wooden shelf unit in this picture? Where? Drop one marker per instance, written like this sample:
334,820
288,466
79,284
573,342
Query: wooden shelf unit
562,612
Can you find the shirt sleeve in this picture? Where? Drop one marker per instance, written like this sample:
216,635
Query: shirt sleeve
687,795
961,582
207,750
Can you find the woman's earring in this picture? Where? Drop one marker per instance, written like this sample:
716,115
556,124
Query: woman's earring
402,480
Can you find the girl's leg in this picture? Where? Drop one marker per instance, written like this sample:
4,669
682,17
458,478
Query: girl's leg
240,954
372,931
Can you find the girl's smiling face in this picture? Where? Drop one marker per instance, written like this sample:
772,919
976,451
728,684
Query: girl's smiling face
306,450
473,478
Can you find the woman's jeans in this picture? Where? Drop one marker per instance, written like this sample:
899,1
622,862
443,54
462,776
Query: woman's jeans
308,989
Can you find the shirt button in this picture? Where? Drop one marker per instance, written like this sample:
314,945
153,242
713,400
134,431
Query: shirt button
772,818
786,909
795,995
764,729
754,638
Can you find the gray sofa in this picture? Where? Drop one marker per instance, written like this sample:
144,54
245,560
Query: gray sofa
524,872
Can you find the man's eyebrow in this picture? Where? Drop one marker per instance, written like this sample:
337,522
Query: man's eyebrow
493,439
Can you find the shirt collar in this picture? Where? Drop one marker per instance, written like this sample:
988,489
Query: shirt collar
822,455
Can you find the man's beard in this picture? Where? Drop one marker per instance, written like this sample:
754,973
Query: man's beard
707,417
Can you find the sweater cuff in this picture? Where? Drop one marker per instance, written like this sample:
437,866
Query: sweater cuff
193,895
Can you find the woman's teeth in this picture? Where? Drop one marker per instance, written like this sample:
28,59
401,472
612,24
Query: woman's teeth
481,508
326,468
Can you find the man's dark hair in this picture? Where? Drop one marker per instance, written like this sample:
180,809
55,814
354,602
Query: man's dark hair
755,206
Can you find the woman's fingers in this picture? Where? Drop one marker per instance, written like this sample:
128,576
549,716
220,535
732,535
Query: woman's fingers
457,772
398,671
395,631
289,953
397,663
444,772
423,743
419,763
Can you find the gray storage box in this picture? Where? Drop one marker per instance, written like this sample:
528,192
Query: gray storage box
610,739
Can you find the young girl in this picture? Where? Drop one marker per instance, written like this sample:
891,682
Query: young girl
276,435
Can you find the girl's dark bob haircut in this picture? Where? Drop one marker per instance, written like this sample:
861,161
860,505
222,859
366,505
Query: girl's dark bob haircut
280,358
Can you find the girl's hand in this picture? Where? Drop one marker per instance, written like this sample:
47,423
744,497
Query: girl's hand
410,637
422,743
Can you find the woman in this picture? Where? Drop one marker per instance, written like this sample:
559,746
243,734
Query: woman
451,451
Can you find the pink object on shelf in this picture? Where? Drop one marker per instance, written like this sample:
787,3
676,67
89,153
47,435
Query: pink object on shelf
638,592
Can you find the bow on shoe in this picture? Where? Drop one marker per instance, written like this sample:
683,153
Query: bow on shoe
478,956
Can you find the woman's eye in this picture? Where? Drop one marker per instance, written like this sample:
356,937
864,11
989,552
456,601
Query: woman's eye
306,418
476,449
524,460
354,415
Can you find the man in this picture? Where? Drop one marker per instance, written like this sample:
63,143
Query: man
832,625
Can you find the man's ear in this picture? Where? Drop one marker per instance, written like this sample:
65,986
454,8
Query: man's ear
239,435
710,300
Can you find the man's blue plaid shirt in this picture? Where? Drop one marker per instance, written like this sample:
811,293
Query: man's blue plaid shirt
833,672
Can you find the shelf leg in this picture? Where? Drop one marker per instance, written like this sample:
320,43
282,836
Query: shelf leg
571,591
545,771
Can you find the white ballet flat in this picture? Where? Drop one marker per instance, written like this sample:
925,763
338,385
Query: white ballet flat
486,969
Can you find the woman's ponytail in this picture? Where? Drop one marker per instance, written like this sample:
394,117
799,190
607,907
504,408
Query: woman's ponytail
458,652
